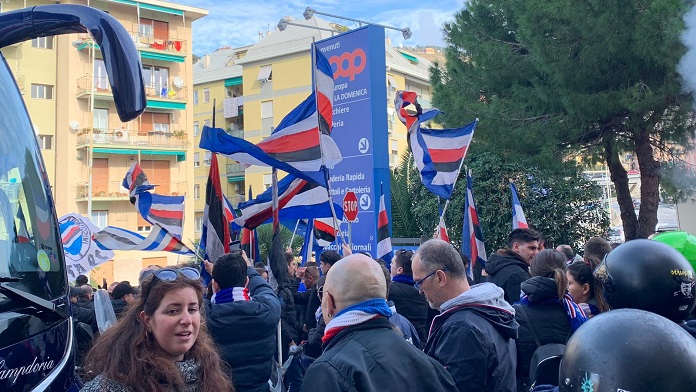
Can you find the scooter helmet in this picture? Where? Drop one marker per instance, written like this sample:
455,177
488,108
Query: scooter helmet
648,275
629,350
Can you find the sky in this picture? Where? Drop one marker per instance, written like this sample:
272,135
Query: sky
237,23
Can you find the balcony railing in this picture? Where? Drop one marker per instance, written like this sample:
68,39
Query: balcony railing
236,132
155,91
234,169
143,41
20,83
123,137
159,91
115,191
165,44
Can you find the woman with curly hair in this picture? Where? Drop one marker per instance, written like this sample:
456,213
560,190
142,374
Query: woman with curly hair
160,343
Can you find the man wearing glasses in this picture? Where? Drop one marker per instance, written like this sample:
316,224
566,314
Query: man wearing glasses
474,334
408,302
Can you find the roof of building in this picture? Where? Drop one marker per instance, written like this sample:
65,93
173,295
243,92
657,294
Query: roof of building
293,39
408,63
221,64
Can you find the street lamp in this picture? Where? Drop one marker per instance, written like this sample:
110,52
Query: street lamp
284,23
309,13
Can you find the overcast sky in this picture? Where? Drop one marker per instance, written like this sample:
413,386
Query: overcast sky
237,23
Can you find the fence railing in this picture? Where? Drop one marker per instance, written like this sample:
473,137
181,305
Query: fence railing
123,137
115,189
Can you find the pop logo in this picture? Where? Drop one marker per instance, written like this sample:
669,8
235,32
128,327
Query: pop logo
349,64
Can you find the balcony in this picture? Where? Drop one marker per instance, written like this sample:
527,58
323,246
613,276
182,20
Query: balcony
114,191
155,92
20,83
177,140
150,42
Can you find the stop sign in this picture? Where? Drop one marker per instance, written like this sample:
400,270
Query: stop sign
350,206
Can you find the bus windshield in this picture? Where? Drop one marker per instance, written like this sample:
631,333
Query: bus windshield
31,257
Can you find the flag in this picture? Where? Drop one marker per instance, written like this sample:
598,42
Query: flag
319,233
159,239
438,153
441,230
136,180
301,144
215,238
166,211
297,199
518,219
473,245
249,242
308,245
81,252
384,246
22,231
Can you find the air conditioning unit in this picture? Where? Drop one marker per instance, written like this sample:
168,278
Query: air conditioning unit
121,135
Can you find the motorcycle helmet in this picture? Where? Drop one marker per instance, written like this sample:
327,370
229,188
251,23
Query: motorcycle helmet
648,275
629,350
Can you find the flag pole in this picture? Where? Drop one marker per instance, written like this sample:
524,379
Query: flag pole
336,225
292,238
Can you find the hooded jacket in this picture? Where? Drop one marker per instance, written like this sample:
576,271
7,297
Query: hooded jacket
507,270
474,338
370,357
549,319
245,333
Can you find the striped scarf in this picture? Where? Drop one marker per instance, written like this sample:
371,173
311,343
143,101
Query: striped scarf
233,294
356,314
575,314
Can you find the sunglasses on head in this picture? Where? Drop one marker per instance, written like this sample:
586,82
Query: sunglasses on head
170,275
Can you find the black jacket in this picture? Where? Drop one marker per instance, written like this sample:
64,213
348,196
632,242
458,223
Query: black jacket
507,270
288,318
410,304
312,348
119,306
371,357
476,344
245,334
548,318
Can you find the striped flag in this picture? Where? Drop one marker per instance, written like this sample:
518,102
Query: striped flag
324,231
22,231
438,153
166,211
301,144
297,199
215,238
250,240
384,246
116,238
441,231
473,244
81,252
518,219
136,180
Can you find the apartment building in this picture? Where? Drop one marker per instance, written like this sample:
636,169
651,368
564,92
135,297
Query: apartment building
67,93
276,77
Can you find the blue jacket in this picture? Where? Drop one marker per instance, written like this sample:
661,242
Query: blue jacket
407,329
245,334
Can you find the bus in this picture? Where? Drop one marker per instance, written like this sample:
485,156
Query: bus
37,350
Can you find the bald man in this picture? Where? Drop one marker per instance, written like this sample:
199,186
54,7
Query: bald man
361,351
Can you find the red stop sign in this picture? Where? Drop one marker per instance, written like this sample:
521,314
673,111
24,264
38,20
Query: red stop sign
350,206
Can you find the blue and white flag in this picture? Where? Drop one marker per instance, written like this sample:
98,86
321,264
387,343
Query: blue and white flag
81,252
301,144
518,219
116,238
167,211
473,244
297,199
438,153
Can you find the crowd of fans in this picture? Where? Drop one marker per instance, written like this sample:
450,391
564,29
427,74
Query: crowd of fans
534,318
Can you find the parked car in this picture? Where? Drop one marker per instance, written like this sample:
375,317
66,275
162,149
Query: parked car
616,235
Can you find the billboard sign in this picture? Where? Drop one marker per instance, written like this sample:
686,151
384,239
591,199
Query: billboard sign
360,128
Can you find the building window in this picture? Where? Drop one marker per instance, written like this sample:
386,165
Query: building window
267,181
265,74
145,229
101,119
206,95
41,91
206,122
196,159
196,192
157,80
195,128
46,142
195,97
42,42
100,219
267,109
208,158
198,224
